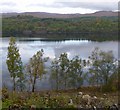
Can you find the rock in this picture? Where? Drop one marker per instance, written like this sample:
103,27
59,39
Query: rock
114,107
86,99
80,93
33,107
94,108
71,101
94,97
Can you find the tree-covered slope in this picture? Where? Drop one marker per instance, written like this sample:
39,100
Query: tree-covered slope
33,26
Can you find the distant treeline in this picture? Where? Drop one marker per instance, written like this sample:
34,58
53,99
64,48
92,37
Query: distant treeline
88,26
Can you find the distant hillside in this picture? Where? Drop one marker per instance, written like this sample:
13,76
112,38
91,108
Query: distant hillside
55,15
31,26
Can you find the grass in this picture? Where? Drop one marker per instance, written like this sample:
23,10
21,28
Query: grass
57,99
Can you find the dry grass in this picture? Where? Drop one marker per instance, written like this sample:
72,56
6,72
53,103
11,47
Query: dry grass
58,99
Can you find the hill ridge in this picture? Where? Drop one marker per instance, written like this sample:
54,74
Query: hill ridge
57,15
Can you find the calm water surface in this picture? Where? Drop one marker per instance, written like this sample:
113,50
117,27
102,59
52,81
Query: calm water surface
28,47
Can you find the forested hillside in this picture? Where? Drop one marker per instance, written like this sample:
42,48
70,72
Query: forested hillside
32,26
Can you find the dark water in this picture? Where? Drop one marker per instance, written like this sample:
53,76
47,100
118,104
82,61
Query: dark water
29,46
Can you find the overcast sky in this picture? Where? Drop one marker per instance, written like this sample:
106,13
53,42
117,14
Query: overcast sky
58,6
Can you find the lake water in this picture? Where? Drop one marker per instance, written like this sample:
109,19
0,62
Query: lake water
29,46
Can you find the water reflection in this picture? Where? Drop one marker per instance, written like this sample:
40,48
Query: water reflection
52,49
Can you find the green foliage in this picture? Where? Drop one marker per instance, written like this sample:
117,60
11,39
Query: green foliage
103,70
31,26
7,103
35,68
75,72
14,64
64,67
59,71
55,73
54,100
102,67
67,73
113,82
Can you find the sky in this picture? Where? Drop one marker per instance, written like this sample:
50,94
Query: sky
58,6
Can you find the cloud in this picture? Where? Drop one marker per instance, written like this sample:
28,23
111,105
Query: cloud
86,5
90,5
58,6
8,4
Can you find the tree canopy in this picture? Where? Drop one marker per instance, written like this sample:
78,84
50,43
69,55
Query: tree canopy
32,26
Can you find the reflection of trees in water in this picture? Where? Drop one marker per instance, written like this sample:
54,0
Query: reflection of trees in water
66,48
